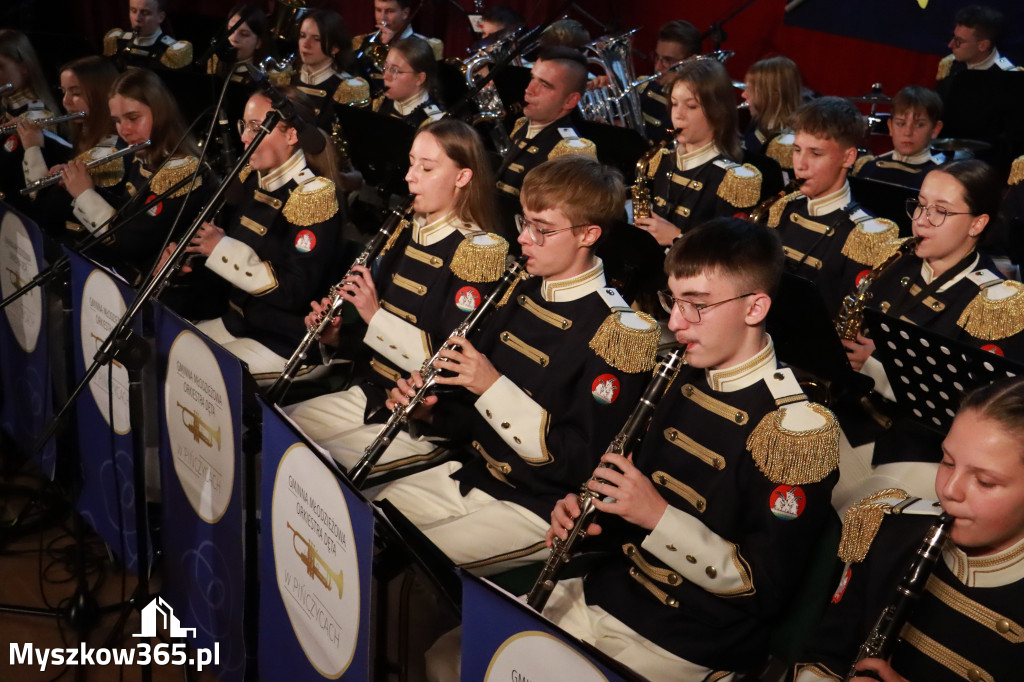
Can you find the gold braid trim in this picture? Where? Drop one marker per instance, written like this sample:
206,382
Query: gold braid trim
353,91
309,206
1016,171
795,457
994,319
742,191
110,42
244,173
944,66
394,236
652,167
781,152
520,122
177,57
375,104
211,65
868,248
862,521
565,147
168,177
480,258
106,174
775,212
523,276
627,348
860,163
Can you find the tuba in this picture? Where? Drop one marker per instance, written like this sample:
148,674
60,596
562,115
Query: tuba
617,103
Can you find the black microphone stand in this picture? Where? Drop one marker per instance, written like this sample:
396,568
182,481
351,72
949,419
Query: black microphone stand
716,32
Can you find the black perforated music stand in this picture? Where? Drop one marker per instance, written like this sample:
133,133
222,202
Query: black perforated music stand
618,147
928,372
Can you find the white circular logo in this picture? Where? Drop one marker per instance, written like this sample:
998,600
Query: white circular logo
316,562
18,264
199,426
535,656
102,307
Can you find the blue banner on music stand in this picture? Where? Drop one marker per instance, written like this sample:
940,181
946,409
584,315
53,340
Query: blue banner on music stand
26,403
107,499
201,470
315,564
503,639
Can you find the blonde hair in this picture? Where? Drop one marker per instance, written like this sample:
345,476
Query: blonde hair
15,46
775,86
462,144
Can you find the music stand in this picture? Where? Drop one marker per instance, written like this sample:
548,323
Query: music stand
885,200
618,147
378,146
984,105
511,83
451,81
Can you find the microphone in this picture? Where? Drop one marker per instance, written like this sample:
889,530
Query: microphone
311,140
217,45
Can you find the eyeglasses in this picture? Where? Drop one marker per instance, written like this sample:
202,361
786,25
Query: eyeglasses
394,71
958,42
663,58
248,126
690,310
536,233
936,215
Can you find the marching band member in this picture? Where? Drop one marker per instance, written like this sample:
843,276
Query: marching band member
437,271
702,178
250,43
146,45
828,238
497,22
554,372
967,622
410,79
773,92
393,19
1006,235
279,248
677,41
916,120
976,31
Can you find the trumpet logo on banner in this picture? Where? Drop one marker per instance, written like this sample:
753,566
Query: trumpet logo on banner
102,307
312,535
199,426
537,656
17,257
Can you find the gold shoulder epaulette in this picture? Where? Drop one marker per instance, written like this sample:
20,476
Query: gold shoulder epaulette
870,247
110,41
862,521
357,41
312,202
281,77
890,248
997,312
628,340
178,55
106,174
1016,171
741,186
780,151
480,257
353,91
779,207
174,172
520,122
796,444
244,173
945,64
575,145
438,47
859,163
377,102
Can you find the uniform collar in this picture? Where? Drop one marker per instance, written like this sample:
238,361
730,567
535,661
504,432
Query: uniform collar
148,41
830,202
918,159
279,177
985,63
688,160
426,235
407,32
927,274
406,106
574,288
991,570
319,76
745,374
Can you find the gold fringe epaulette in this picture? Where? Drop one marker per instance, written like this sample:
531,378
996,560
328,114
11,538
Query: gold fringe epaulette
945,64
178,55
795,457
779,207
868,248
106,174
357,41
354,91
781,152
860,163
520,122
991,319
171,175
890,248
437,46
480,258
312,202
862,521
626,346
1016,172
110,42
742,190
244,173
281,77
579,145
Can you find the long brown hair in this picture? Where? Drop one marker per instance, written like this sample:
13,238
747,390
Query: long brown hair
776,88
474,203
15,46
710,82
146,87
1001,402
95,76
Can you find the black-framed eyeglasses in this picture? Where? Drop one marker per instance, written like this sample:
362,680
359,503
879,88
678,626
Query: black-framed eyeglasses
536,232
935,215
690,310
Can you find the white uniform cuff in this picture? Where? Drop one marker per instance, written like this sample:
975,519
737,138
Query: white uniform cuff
239,264
874,368
33,164
404,345
92,210
517,418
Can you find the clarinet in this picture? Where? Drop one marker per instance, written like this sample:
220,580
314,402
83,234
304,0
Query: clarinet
335,301
375,450
886,632
636,424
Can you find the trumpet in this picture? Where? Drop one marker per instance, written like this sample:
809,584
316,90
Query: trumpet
56,177
199,429
316,567
52,121
15,278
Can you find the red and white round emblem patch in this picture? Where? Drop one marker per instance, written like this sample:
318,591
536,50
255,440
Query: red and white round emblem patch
305,241
787,502
605,389
467,299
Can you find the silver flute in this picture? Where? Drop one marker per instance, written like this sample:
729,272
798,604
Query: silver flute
56,177
52,121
